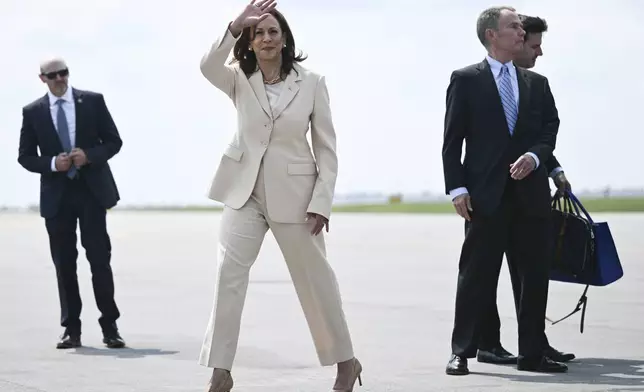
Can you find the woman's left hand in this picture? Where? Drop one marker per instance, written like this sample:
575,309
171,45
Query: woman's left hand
319,223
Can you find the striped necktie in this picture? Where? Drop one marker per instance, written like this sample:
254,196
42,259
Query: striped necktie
63,134
507,99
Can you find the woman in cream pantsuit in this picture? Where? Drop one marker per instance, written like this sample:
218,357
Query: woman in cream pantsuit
268,179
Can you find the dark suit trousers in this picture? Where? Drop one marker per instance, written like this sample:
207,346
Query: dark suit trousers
487,238
79,205
491,324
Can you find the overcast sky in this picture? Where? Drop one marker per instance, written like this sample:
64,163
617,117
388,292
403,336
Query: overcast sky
387,65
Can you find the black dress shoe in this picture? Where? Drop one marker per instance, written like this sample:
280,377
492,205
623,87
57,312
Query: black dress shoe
557,355
114,340
498,355
541,365
457,366
69,341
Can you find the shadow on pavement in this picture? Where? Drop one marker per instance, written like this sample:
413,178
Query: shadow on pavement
595,371
125,353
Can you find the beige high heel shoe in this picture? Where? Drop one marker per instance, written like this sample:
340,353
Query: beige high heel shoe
356,374
221,381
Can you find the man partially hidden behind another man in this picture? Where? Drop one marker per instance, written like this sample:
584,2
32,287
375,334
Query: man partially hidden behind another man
509,122
490,348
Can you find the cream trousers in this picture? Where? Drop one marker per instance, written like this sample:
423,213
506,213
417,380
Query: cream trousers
241,236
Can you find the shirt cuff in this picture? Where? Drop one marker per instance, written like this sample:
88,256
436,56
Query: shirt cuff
53,164
555,171
536,159
457,192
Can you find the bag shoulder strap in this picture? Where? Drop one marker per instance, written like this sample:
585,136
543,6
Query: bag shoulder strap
581,305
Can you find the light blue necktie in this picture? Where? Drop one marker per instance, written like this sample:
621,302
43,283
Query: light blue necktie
63,134
507,99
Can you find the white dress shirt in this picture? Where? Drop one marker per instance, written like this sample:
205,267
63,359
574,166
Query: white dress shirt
70,113
495,67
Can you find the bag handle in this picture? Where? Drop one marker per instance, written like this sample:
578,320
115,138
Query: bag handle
556,203
573,208
581,305
577,203
567,206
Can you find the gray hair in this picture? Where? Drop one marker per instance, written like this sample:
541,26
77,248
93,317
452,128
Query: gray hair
489,19
51,64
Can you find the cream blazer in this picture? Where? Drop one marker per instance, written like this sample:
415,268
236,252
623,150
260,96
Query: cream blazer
297,179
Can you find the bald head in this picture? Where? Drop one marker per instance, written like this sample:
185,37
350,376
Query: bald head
52,65
55,74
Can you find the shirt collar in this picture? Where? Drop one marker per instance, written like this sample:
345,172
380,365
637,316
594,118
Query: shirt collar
68,97
496,65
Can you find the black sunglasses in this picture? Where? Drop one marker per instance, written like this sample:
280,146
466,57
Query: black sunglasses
52,75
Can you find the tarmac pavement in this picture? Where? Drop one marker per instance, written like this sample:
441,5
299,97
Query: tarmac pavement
397,274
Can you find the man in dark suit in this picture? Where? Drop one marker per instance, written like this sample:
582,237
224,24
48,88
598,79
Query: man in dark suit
76,136
490,348
509,122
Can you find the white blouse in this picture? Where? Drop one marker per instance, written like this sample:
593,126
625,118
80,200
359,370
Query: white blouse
273,92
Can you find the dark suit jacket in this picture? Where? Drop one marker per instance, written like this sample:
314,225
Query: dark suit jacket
552,164
96,134
475,114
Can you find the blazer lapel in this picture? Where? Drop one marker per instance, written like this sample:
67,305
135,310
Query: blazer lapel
291,87
487,78
45,112
79,114
524,96
257,83
491,93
